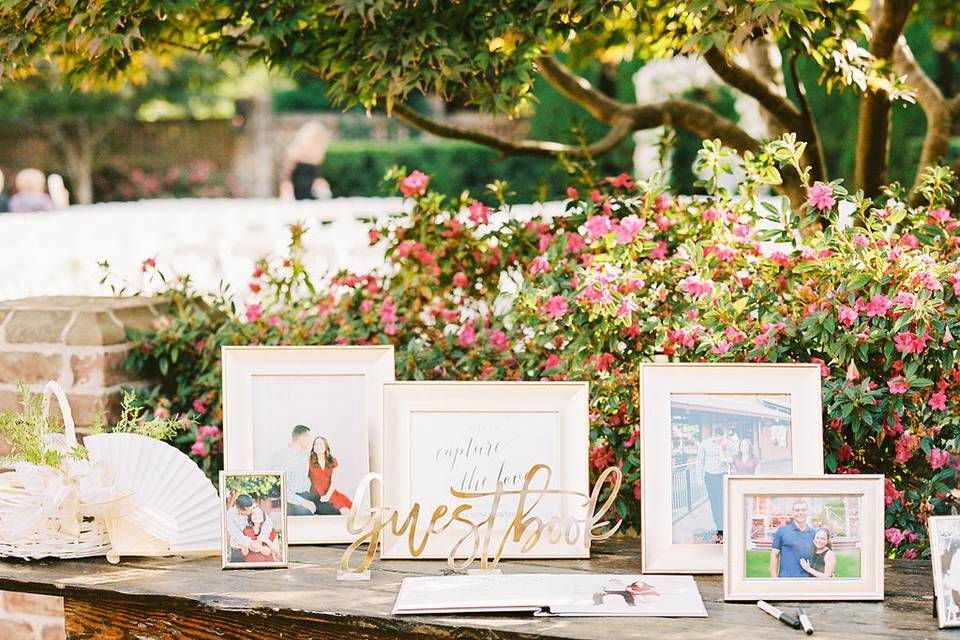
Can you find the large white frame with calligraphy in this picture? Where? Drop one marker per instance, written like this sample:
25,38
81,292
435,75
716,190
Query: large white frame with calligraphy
869,586
658,382
556,413
373,365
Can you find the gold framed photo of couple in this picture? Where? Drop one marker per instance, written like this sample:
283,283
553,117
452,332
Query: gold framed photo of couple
804,537
315,414
700,422
945,556
253,516
470,436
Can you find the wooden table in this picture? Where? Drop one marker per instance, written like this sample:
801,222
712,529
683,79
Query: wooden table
194,598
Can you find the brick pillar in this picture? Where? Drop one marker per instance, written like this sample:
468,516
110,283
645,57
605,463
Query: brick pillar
81,342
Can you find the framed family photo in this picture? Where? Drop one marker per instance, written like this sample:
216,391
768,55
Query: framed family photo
313,413
945,556
804,538
702,422
470,436
253,513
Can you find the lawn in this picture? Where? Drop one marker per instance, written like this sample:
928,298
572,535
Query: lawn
848,563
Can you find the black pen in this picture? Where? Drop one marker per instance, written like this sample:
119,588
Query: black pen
805,621
785,618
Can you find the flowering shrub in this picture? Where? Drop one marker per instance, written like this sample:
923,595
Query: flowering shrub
629,272
198,179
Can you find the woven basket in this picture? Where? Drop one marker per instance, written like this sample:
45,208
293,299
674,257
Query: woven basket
48,539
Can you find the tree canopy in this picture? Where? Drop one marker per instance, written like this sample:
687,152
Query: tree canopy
379,53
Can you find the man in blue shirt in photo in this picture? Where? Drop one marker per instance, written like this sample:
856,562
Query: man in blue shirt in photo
791,543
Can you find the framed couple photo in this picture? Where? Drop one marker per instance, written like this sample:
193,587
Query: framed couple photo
700,423
314,414
253,514
804,538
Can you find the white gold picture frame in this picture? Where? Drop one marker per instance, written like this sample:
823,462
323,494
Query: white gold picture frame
335,392
846,510
944,532
775,407
470,434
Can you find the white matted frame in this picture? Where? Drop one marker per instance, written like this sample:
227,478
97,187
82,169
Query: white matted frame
563,404
241,364
657,383
940,527
869,490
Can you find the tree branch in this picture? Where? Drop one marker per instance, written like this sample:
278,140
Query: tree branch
936,108
539,148
873,134
600,106
779,106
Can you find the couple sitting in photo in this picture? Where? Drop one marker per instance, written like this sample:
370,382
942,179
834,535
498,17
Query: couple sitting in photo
251,533
802,551
309,465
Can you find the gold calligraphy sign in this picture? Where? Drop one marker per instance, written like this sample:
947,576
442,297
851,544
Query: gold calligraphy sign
524,527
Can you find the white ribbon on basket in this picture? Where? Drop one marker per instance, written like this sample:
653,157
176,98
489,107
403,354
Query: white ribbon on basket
61,497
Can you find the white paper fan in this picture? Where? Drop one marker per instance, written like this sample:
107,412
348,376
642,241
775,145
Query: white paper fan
176,508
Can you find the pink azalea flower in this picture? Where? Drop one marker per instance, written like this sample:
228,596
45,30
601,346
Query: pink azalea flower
720,348
894,536
660,251
540,264
200,405
414,184
890,493
575,242
622,181
846,315
905,299
696,287
939,458
460,279
555,307
824,369
552,361
938,401
543,241
209,431
366,306
627,307
498,341
199,448
820,197
940,215
628,228
598,226
910,241
572,193
861,240
742,230
878,306
898,385
928,280
253,312
467,335
479,213
710,215
149,263
663,223
388,311
662,203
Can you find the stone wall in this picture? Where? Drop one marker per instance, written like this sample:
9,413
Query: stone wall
81,342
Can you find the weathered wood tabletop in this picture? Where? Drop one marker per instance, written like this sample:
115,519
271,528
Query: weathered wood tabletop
194,598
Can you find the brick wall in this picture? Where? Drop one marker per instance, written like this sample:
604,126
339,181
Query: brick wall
81,342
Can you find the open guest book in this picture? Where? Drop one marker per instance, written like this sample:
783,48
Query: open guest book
551,594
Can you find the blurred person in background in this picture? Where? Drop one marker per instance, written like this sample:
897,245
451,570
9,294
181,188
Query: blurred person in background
31,195
58,191
4,200
300,176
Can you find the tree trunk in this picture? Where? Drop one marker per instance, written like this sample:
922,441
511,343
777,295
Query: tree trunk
77,145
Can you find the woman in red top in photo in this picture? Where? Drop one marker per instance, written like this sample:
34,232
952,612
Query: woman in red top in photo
267,551
322,464
744,462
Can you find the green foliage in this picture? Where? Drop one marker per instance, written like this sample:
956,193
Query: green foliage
29,431
257,486
132,420
626,274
